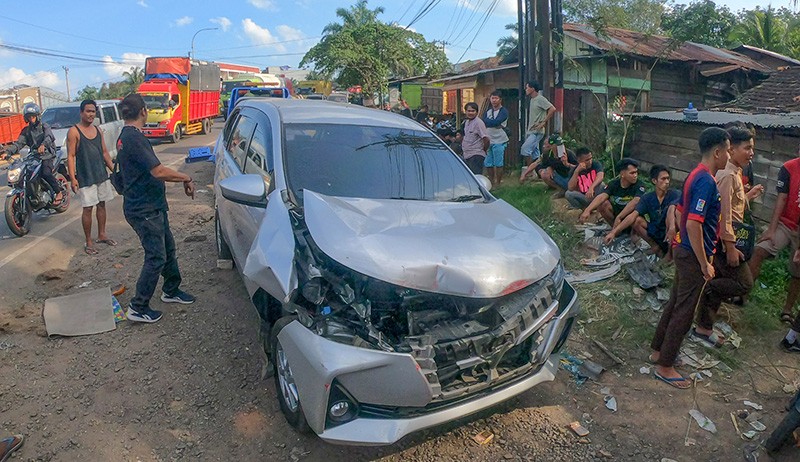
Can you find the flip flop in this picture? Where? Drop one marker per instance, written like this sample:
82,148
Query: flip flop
110,242
90,250
677,363
712,341
787,318
674,381
9,445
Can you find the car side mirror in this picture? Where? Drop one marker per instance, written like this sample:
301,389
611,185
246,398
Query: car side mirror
247,190
485,182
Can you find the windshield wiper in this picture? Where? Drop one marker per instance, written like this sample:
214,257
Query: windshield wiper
466,198
403,198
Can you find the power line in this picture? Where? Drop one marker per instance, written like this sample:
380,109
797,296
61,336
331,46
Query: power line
486,17
32,51
410,4
259,45
39,26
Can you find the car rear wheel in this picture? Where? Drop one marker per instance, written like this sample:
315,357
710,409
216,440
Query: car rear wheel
285,387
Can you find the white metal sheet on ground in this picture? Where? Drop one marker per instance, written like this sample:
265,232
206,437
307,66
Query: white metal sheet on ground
84,313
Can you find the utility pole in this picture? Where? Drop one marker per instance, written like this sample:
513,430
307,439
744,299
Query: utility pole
521,60
66,77
558,64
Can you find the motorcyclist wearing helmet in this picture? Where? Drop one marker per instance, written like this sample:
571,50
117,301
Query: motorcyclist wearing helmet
38,136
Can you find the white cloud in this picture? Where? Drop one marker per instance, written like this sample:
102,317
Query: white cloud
143,4
260,35
14,76
223,23
262,4
184,21
129,60
289,33
503,8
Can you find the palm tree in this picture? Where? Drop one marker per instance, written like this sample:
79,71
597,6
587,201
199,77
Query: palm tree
357,15
507,46
763,29
133,78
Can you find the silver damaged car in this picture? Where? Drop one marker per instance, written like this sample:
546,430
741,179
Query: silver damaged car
394,292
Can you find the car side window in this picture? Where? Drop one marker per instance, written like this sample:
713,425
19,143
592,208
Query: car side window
109,114
240,139
259,154
229,126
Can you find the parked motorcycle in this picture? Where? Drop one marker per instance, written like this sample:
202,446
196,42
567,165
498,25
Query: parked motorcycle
790,423
30,193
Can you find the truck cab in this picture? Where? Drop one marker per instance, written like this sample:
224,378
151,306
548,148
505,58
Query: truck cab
163,101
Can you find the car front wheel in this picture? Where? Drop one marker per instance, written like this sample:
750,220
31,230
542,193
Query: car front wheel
223,250
285,386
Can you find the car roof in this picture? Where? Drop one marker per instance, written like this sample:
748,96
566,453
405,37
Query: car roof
78,103
315,111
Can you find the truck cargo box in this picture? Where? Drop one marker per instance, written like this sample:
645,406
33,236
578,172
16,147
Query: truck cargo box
11,124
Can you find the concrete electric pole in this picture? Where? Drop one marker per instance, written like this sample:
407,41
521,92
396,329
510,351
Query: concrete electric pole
66,78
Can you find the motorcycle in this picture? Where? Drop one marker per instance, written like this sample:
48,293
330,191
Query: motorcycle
30,193
784,432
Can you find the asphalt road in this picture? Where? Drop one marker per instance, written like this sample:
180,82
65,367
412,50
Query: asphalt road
55,238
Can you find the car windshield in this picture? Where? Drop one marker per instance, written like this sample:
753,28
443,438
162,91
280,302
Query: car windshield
156,100
61,117
375,163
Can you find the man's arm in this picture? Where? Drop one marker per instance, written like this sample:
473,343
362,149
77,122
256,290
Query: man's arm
629,207
72,148
160,172
486,142
106,156
695,231
572,184
780,204
621,226
592,206
15,146
671,222
502,116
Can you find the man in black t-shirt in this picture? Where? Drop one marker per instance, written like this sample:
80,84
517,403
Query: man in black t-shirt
555,164
145,208
621,195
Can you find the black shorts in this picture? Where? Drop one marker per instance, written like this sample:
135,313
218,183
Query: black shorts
475,164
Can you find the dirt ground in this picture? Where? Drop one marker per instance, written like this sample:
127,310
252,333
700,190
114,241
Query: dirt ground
190,386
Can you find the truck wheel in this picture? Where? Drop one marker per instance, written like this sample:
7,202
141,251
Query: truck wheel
176,135
285,388
206,126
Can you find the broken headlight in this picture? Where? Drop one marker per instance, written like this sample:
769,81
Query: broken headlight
557,280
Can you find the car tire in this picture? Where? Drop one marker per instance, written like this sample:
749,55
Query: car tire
285,389
223,250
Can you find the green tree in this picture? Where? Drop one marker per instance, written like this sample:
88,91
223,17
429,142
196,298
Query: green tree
88,92
507,46
133,78
362,50
701,21
639,15
764,29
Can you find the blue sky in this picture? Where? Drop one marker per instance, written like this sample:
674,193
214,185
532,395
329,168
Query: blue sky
115,35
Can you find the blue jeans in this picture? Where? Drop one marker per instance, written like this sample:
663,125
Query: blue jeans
159,256
495,155
530,148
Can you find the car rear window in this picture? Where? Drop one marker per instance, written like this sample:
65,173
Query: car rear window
374,163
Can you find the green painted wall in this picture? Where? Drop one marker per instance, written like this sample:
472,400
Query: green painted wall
628,83
412,93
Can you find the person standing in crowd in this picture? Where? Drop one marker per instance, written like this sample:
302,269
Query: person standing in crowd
782,232
145,208
38,136
693,254
732,275
455,144
422,115
586,180
496,120
405,109
656,206
476,139
620,196
540,111
87,160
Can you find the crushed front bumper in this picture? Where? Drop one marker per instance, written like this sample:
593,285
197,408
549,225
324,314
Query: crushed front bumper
394,380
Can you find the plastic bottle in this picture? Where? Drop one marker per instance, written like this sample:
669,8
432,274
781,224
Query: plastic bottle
690,113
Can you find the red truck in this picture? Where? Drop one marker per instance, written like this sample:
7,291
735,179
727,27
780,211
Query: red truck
11,124
182,97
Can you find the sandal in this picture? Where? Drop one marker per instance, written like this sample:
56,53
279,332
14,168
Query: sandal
680,383
110,242
787,318
711,341
90,250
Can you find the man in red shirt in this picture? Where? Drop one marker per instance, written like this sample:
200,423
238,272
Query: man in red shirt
783,231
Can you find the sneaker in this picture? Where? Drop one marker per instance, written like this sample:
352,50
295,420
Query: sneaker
143,315
178,297
790,347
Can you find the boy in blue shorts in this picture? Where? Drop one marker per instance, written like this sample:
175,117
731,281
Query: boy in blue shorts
496,118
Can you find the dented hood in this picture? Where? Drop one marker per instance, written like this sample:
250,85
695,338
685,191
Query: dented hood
470,249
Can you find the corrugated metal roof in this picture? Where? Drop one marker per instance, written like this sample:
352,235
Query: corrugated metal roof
473,74
658,46
772,54
783,120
